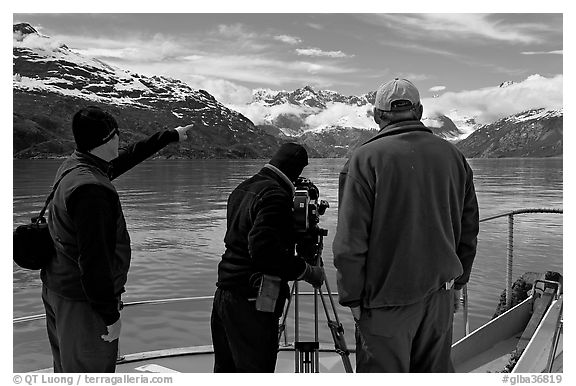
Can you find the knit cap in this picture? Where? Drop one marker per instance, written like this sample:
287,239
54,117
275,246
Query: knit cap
93,127
291,159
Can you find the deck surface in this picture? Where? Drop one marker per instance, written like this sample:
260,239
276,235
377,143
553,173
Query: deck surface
204,362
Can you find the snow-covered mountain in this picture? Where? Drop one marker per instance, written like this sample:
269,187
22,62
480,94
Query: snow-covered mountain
533,133
335,124
309,112
51,82
308,97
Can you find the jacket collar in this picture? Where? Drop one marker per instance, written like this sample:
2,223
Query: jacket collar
104,166
402,127
399,128
279,176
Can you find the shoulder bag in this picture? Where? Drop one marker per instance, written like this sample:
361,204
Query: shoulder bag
33,245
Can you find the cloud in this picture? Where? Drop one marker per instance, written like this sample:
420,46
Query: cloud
288,39
259,69
420,48
437,88
234,38
432,122
260,114
315,26
486,105
412,77
235,31
556,52
137,49
224,91
493,103
344,115
35,41
492,27
319,52
334,114
211,57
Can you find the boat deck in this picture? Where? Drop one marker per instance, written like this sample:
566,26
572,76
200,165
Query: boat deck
201,360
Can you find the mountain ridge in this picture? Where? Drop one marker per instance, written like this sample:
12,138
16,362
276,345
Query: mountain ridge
532,133
51,82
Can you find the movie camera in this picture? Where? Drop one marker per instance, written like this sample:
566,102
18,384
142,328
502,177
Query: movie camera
309,245
307,212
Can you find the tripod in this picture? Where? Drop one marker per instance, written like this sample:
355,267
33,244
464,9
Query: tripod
307,352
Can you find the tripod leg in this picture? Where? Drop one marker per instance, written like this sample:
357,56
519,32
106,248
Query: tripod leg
336,329
297,366
306,354
282,325
331,299
316,339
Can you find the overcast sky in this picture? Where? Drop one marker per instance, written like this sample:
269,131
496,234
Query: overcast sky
231,54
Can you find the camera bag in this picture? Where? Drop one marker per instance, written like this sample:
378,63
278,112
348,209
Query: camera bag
33,245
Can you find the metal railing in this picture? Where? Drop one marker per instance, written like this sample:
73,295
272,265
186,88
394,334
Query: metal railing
509,256
31,318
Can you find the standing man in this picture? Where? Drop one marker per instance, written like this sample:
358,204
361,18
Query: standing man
406,238
82,285
258,262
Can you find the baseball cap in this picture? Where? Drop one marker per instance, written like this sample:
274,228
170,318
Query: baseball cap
397,95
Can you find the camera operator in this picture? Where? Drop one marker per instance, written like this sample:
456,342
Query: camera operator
258,262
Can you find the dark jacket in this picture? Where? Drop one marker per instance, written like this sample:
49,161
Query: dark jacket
87,225
259,236
407,220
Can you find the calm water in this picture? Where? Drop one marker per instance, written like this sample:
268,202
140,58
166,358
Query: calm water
176,214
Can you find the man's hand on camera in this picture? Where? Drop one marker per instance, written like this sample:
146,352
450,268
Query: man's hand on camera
183,131
313,275
356,312
457,299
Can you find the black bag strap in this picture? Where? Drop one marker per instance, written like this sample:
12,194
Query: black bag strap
51,195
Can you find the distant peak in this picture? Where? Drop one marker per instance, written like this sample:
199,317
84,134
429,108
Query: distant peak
24,29
506,84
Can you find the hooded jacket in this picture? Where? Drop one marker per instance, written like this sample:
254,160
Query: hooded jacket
407,218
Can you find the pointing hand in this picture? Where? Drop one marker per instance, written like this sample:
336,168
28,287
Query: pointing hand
183,131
